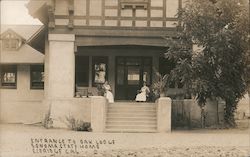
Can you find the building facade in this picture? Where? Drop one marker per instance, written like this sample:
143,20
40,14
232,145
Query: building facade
88,42
125,37
21,69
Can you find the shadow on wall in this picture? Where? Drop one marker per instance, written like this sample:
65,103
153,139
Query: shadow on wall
242,114
243,106
186,114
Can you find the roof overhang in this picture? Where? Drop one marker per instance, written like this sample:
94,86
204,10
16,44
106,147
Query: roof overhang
25,55
38,9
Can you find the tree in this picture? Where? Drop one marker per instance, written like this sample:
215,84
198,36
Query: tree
217,70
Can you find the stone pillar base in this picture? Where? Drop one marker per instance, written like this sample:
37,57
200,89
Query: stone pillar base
164,114
98,113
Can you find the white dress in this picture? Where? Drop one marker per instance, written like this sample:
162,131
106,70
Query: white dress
108,93
143,95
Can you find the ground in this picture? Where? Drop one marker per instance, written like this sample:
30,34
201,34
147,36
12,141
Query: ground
33,141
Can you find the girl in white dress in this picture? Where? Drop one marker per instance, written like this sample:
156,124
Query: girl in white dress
142,96
108,93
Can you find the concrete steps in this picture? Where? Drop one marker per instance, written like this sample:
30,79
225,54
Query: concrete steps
131,117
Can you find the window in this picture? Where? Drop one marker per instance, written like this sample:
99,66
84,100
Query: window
134,4
37,76
100,70
8,76
82,71
11,41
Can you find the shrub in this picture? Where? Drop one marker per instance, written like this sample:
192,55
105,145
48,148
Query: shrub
78,125
47,122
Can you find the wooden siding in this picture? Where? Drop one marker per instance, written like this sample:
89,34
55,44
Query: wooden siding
157,13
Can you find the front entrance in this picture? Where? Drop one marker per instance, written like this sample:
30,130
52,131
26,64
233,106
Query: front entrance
131,72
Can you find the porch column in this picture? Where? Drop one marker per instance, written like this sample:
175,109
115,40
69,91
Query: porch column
61,68
61,77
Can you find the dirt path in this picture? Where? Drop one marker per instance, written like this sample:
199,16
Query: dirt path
29,141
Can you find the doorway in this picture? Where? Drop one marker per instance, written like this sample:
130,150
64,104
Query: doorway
131,72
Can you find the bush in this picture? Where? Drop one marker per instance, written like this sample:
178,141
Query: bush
47,122
78,125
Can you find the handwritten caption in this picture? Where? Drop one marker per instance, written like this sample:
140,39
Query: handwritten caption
67,146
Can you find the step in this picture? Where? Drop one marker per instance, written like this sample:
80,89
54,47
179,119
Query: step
132,104
132,108
137,114
132,111
131,130
131,127
131,123
131,119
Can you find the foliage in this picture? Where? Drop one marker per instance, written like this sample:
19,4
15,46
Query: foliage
219,29
160,82
78,125
48,121
100,89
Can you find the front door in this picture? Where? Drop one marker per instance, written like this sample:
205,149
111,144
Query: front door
131,72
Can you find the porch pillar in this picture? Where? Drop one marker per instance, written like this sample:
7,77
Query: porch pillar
164,114
61,66
61,77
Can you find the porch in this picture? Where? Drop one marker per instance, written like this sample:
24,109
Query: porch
124,67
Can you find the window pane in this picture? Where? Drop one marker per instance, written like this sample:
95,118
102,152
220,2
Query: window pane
82,70
8,76
120,75
133,61
146,74
120,61
133,75
37,77
147,61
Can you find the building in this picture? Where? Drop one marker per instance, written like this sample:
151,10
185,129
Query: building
88,42
21,74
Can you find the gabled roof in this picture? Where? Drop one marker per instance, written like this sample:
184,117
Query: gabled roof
27,32
10,31
28,53
34,35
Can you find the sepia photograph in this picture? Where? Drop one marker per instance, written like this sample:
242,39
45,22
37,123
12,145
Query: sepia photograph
124,78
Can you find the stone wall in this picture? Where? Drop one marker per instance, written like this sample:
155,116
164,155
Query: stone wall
61,110
187,113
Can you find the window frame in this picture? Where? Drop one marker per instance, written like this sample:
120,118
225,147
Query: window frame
10,69
36,68
134,4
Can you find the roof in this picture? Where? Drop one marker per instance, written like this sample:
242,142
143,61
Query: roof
25,31
25,55
28,53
